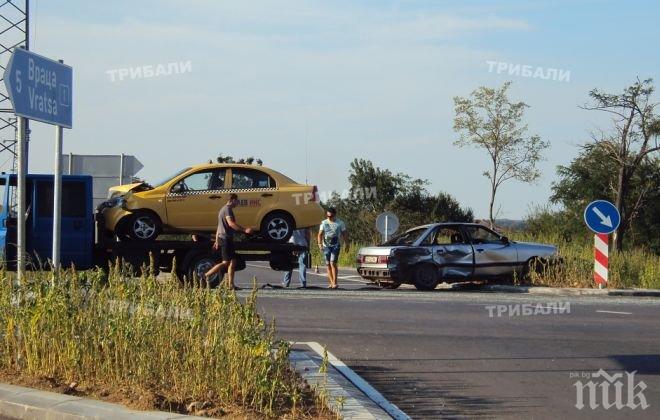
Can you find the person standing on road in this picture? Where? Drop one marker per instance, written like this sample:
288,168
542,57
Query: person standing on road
331,231
224,240
301,237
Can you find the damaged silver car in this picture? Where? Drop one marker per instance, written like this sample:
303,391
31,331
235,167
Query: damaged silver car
449,252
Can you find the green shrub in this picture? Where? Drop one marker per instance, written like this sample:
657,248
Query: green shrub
178,343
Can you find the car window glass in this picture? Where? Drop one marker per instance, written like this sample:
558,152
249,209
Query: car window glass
165,180
407,238
482,235
243,178
200,181
429,239
217,181
448,236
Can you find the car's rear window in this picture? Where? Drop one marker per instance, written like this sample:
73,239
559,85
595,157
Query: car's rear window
407,238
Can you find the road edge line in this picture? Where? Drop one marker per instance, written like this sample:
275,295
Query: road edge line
357,380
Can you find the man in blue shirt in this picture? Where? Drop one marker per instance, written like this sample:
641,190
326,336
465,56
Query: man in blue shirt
331,233
300,237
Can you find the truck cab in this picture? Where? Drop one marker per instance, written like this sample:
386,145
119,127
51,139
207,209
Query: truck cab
77,221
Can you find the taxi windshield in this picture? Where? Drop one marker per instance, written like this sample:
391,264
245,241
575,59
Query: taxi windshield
165,180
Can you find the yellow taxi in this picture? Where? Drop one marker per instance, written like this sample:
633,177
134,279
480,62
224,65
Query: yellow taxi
269,202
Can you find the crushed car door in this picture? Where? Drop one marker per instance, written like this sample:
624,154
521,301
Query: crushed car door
493,255
452,252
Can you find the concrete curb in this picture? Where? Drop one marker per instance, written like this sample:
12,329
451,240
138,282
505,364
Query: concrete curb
343,398
569,291
26,403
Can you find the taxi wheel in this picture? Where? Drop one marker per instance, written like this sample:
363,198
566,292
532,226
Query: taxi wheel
143,226
425,277
277,227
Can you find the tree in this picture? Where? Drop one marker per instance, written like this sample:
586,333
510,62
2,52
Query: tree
489,120
593,175
374,190
629,145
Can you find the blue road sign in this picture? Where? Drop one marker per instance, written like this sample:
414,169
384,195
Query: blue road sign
601,216
40,88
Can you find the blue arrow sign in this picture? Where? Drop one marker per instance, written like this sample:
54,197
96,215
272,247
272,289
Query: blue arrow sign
40,88
601,216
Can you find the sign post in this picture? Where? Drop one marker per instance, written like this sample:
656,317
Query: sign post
603,218
20,196
387,223
40,89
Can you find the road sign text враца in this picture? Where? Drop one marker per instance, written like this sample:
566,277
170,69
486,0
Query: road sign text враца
36,76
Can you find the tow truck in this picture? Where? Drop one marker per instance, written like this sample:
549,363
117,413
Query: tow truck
86,243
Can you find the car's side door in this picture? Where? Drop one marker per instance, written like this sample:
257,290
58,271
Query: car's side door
257,195
493,254
452,252
194,201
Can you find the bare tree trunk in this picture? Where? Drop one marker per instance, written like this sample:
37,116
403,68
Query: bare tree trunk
491,218
621,196
493,191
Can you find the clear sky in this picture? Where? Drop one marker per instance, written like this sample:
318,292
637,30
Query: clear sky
353,79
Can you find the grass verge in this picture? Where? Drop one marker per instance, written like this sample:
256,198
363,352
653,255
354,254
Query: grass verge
153,345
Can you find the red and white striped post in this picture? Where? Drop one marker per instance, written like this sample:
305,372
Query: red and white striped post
601,259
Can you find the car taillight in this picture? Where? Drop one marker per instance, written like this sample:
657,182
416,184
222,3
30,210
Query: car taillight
358,259
383,259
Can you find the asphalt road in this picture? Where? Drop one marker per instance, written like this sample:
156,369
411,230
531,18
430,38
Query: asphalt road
440,354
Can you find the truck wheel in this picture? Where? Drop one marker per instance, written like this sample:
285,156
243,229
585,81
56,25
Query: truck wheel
425,277
201,265
143,226
277,227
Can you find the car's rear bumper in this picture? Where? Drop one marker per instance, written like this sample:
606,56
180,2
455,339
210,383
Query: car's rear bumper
378,273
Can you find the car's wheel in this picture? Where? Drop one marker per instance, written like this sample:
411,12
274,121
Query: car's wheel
277,227
143,226
425,277
389,285
199,266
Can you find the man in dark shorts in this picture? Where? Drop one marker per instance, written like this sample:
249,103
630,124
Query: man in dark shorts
330,232
224,240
